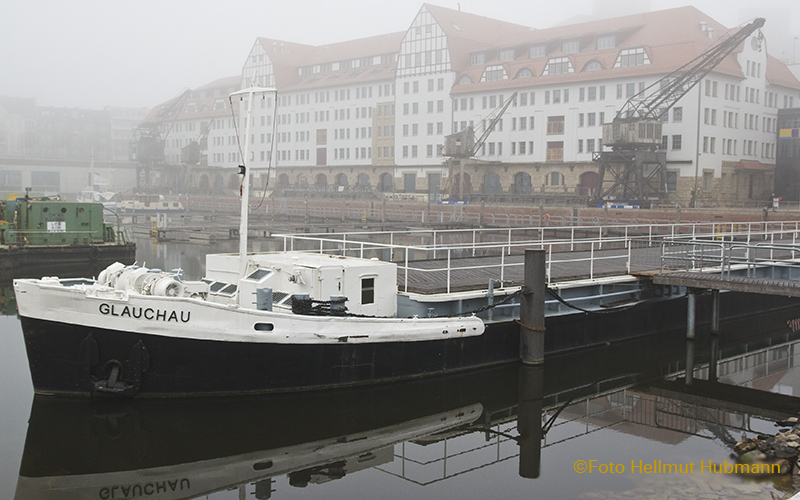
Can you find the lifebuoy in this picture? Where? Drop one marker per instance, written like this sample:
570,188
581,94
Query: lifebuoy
546,217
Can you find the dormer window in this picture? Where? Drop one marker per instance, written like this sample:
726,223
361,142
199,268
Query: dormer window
507,55
632,57
606,42
571,46
479,58
593,65
558,66
525,73
464,80
494,73
538,51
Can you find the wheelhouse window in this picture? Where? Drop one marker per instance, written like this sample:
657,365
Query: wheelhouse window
367,290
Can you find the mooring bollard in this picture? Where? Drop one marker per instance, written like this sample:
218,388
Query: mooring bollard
531,319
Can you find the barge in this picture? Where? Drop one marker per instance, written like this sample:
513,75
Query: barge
40,236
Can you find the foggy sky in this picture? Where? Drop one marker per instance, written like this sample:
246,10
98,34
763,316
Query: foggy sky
97,53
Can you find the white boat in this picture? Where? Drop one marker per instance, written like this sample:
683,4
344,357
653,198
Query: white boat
96,191
143,204
107,198
257,323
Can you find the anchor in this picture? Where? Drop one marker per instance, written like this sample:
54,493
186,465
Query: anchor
116,378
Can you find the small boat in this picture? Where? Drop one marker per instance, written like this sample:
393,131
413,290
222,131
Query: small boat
149,204
107,198
97,190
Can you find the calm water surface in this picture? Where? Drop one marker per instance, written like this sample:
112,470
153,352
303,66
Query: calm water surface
470,436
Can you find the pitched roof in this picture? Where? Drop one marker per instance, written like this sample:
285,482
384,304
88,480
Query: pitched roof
287,58
468,33
667,50
196,104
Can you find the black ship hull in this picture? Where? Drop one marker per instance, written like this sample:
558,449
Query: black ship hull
68,359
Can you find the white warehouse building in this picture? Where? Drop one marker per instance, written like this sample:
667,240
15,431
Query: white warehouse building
373,114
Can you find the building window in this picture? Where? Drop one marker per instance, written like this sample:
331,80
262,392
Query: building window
555,151
555,125
677,114
494,73
507,55
524,73
672,181
558,66
571,46
606,42
537,51
632,57
676,142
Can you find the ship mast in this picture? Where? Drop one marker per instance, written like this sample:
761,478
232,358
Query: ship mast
245,171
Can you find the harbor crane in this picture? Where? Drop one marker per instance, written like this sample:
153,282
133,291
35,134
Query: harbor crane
462,146
634,170
149,138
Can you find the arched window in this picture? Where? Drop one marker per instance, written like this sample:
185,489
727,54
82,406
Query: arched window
464,80
593,65
522,183
554,179
525,73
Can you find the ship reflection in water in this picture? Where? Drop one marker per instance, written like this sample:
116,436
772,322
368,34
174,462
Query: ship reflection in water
423,432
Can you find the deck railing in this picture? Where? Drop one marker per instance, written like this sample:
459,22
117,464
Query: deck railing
727,256
573,252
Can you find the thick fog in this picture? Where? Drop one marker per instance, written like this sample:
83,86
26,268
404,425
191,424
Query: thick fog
96,53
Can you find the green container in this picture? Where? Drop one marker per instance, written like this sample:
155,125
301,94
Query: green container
46,222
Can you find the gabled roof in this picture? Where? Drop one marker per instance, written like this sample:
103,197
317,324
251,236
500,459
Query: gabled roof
287,58
467,33
778,74
200,100
667,49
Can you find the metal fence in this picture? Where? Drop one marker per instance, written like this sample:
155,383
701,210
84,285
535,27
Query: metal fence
458,258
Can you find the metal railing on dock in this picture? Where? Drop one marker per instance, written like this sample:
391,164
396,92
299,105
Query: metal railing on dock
445,261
